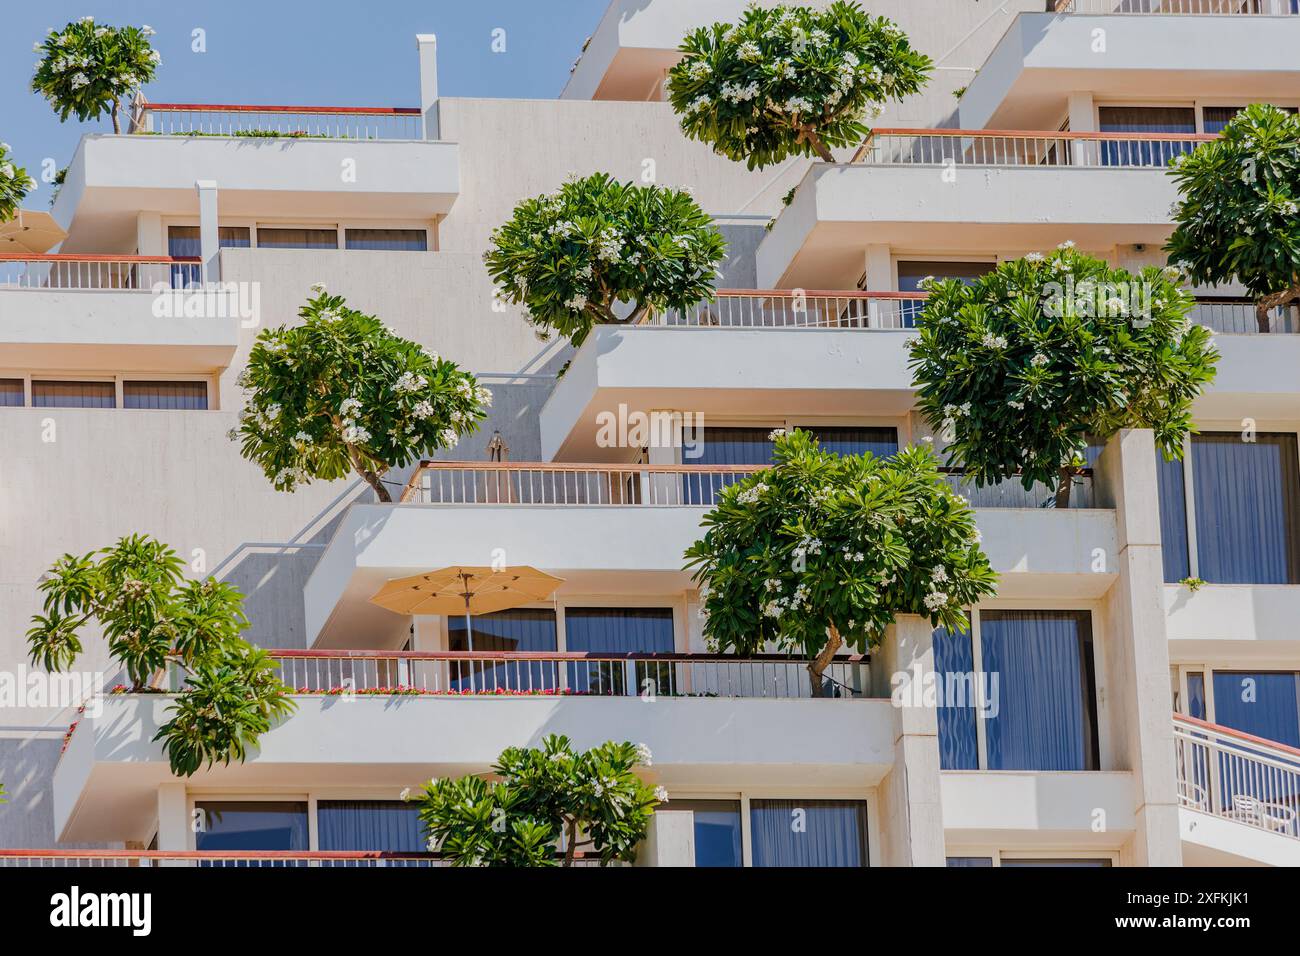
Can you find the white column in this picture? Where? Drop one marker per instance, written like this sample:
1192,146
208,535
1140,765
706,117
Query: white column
1083,119
173,817
149,238
209,236
428,45
879,268
911,806
670,841
664,448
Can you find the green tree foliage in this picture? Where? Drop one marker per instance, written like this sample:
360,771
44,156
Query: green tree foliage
1237,216
543,799
87,69
791,80
821,551
1020,367
572,256
342,392
15,183
153,618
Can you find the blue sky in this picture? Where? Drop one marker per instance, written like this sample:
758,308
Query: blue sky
308,52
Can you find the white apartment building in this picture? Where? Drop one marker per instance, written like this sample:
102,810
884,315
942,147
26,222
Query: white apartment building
1136,720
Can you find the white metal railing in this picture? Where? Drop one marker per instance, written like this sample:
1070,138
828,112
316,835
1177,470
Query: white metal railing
1238,318
1274,8
306,122
1237,776
228,858
786,308
529,674
1012,494
116,273
966,147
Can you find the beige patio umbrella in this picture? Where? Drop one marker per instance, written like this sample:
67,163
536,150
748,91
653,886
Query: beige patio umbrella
466,590
32,232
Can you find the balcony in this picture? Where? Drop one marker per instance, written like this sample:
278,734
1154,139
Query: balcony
1157,47
1238,795
112,859
268,162
622,530
972,191
106,784
118,313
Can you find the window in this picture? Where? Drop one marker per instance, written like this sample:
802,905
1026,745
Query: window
1214,118
1263,703
620,630
521,629
407,240
11,393
1247,500
717,831
168,395
56,394
278,237
252,825
183,241
970,861
1145,119
1033,696
391,826
1171,489
911,273
1077,861
1196,694
808,832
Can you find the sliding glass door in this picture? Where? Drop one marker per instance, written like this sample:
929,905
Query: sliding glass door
808,832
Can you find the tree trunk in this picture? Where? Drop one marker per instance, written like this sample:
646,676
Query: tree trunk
1267,303
371,478
821,149
571,844
1064,481
1262,309
113,112
817,666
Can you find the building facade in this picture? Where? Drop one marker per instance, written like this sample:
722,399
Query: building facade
1130,697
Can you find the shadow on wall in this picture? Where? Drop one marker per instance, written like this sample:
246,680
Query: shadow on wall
740,268
26,766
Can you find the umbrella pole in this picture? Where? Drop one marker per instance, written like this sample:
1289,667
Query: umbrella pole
469,637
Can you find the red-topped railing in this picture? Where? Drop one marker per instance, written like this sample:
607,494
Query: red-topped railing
292,122
989,147
1237,776
1275,8
98,272
561,674
227,858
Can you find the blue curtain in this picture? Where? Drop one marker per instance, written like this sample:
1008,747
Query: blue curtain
1045,719
1145,119
389,825
400,240
1247,514
1261,703
522,629
970,861
57,394
717,831
279,238
808,832
168,395
880,442
911,273
1173,519
252,825
183,241
11,392
958,739
620,630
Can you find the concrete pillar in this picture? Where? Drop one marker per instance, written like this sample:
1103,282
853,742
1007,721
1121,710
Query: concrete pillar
1137,649
911,807
670,840
428,46
149,238
1083,119
663,447
879,270
209,235
173,817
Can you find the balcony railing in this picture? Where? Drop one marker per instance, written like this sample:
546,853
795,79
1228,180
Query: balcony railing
800,308
291,122
1237,776
228,858
975,147
553,483
1274,8
108,272
560,674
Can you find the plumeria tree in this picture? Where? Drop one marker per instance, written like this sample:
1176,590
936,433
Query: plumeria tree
342,392
573,256
153,618
1019,369
544,800
791,80
87,69
1237,215
822,551
15,183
